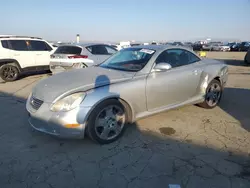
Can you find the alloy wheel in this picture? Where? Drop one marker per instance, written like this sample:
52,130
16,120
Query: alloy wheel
213,94
9,73
110,122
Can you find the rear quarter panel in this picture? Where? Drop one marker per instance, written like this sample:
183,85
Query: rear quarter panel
4,53
213,69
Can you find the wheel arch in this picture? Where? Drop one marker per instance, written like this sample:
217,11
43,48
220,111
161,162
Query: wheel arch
6,61
127,106
217,78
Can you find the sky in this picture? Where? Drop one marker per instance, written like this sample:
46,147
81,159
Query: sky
139,20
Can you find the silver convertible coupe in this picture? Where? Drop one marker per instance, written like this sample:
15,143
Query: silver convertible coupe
133,83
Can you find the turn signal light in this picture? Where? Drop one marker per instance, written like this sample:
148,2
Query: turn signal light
72,125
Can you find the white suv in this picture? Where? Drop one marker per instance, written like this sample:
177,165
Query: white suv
20,54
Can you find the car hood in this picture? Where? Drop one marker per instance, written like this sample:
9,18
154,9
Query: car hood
76,80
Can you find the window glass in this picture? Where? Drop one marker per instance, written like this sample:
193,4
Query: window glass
5,44
39,46
98,50
193,58
129,59
247,44
110,50
177,57
68,50
19,45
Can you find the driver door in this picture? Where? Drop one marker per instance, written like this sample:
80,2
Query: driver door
175,85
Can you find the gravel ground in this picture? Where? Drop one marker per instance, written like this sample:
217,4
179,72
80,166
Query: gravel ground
190,146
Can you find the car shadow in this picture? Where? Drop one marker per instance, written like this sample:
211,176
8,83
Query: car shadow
235,101
141,158
28,74
233,62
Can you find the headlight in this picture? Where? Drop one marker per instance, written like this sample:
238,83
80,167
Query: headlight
68,103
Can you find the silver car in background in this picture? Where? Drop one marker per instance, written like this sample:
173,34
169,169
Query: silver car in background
133,83
75,56
221,47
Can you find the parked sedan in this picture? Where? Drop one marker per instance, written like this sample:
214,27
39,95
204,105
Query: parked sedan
133,83
74,56
221,47
243,46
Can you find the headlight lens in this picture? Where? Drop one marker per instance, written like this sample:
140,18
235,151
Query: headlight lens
68,103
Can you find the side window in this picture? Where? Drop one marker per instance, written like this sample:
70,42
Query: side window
110,50
177,57
247,44
5,44
193,58
39,46
170,56
68,50
19,45
98,50
90,49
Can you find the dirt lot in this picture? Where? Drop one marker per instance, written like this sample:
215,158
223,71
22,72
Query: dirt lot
190,146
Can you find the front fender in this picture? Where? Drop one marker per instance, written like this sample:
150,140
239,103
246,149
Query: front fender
94,98
132,92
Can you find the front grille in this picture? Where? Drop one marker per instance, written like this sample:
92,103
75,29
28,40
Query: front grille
35,103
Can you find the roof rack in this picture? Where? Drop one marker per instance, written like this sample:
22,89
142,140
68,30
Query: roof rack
15,36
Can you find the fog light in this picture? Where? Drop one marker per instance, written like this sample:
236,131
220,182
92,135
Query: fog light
72,125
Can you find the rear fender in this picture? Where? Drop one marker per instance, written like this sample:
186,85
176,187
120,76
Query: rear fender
207,76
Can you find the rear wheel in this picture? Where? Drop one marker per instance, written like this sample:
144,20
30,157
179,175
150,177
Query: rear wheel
107,122
9,72
246,61
213,95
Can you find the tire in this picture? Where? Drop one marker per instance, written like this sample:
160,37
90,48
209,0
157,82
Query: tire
214,95
245,60
9,72
95,130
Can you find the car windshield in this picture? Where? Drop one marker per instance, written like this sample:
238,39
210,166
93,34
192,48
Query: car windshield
129,59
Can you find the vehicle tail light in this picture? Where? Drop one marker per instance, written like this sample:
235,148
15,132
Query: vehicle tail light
77,56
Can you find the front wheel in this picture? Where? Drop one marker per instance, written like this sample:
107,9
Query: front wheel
9,72
107,122
213,95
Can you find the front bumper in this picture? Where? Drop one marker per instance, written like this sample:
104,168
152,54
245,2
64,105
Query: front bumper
55,123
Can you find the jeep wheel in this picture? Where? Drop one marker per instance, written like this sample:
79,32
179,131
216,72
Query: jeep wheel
9,72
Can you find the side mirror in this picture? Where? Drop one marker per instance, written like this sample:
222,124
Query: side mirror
161,67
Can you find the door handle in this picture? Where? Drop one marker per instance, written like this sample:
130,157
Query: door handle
38,54
16,54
